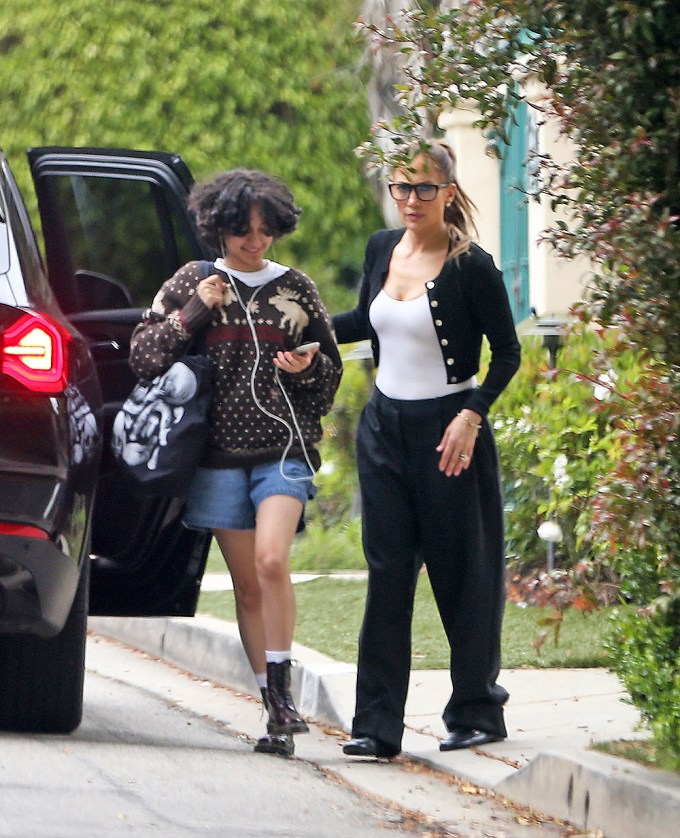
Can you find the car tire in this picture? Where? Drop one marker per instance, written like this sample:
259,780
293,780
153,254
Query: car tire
41,688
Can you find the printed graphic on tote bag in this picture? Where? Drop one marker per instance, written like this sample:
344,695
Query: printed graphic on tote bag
143,425
82,424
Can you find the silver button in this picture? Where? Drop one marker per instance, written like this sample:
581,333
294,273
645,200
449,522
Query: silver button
434,304
444,342
437,322
453,379
450,361
429,284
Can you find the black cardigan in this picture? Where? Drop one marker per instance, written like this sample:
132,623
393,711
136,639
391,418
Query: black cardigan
467,300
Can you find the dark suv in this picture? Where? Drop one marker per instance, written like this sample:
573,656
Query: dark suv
114,225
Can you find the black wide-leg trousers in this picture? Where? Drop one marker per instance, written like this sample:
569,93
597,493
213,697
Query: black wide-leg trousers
413,514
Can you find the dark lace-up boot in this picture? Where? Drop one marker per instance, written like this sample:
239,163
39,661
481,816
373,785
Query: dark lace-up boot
283,715
281,744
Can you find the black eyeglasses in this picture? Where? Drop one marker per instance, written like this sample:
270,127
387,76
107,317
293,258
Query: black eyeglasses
424,191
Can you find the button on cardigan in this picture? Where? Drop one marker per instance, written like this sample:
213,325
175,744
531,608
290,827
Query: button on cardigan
468,300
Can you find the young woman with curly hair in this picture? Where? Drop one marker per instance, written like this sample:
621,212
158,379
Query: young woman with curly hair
265,419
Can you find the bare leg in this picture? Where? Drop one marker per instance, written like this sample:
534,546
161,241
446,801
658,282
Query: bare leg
238,549
277,520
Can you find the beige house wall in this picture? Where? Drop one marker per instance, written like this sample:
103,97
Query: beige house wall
555,284
478,174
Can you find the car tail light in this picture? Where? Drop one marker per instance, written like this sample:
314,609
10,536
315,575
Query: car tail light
34,351
23,530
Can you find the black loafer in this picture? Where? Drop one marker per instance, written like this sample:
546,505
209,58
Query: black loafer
464,738
367,746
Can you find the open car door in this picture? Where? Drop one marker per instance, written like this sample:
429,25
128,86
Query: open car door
115,226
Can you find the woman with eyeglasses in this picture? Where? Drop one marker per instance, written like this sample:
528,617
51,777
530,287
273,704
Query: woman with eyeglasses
426,457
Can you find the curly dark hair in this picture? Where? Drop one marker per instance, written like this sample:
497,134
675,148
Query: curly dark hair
222,206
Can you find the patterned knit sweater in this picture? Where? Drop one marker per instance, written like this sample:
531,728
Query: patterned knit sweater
285,312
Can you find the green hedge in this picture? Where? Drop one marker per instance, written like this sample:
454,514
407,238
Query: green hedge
256,83
645,648
555,441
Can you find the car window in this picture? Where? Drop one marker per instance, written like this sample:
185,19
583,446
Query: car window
4,238
122,228
22,279
7,290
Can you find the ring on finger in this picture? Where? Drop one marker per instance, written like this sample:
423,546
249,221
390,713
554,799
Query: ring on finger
464,458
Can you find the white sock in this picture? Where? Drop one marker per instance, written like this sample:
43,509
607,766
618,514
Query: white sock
261,680
278,657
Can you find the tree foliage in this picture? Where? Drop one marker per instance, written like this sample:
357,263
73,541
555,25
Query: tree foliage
611,82
246,82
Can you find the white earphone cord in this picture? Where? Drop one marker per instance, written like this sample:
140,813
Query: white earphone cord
260,406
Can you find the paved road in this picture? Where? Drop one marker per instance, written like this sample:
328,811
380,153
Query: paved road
158,753
161,750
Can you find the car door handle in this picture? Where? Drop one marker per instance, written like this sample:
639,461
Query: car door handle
103,350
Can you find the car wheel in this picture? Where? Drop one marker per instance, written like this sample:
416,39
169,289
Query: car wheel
41,688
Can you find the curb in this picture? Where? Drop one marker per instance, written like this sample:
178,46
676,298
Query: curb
212,649
597,791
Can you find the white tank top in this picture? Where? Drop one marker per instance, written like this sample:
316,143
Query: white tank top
411,364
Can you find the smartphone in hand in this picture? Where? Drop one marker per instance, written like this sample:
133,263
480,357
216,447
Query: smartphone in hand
304,348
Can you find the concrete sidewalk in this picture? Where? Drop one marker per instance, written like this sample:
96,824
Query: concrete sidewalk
552,718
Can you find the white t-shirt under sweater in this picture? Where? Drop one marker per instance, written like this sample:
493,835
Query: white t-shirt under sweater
253,279
411,363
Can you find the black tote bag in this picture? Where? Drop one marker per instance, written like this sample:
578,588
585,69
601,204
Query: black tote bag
160,434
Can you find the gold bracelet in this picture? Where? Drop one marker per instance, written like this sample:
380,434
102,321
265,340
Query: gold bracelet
470,423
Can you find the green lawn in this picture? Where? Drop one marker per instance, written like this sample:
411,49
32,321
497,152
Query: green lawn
329,613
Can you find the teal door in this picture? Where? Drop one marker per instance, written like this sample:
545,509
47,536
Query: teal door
515,215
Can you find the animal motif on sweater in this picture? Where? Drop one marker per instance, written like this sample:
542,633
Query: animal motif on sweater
229,298
295,318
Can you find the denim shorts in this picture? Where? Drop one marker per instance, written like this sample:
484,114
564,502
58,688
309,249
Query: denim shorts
228,498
